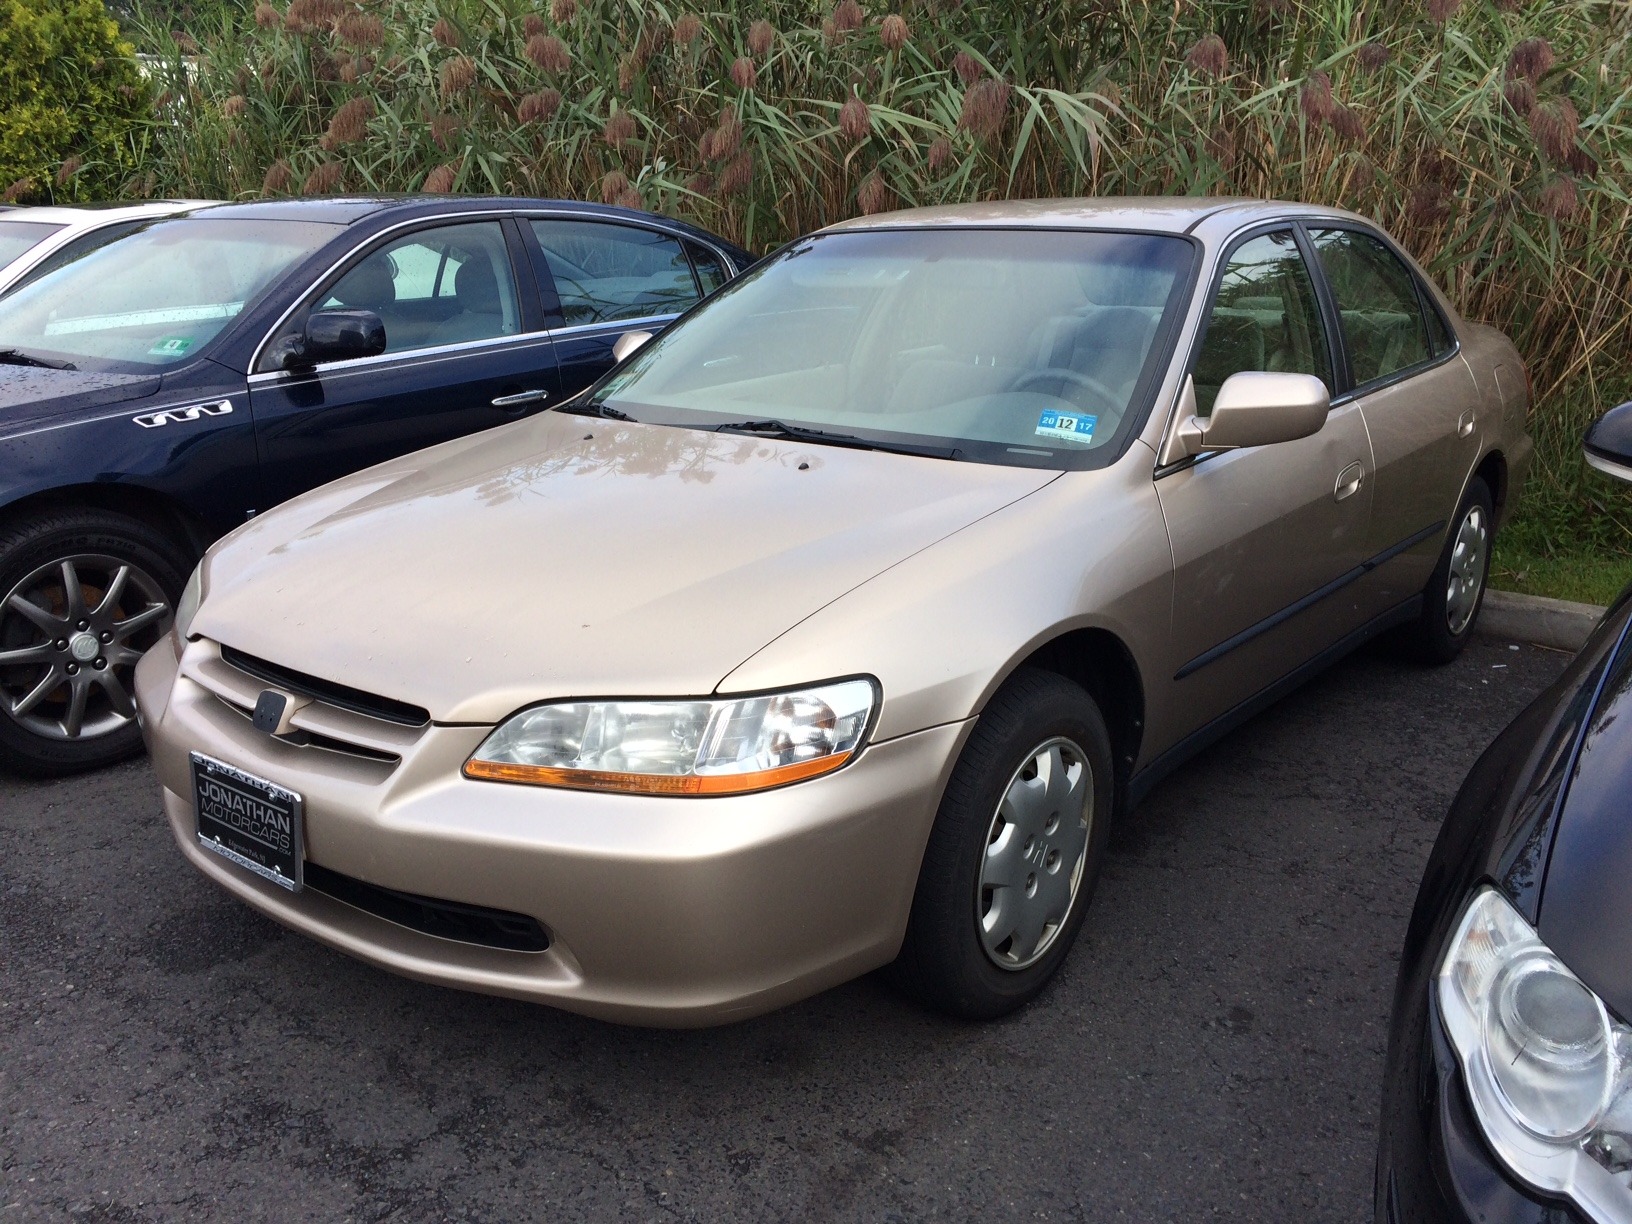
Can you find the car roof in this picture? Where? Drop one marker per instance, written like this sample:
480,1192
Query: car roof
345,210
1161,214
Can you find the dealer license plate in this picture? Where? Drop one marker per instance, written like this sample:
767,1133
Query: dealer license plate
252,822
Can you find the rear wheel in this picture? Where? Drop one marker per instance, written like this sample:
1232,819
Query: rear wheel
1456,591
1015,851
83,593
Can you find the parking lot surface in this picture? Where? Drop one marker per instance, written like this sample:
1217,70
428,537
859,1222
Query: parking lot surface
1212,1047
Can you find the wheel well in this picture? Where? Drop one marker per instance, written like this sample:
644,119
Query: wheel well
1493,470
155,509
1098,660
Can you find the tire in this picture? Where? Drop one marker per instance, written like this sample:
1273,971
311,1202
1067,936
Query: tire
1449,613
950,961
88,647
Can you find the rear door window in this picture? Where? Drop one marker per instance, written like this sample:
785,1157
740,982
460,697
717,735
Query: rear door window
605,272
1376,296
710,268
1265,317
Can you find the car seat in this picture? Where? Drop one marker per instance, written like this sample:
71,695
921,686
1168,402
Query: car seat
481,311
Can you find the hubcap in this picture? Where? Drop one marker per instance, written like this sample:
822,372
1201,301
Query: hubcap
1467,573
70,635
1036,847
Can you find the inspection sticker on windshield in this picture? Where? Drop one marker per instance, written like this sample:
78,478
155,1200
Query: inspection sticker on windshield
1071,426
171,346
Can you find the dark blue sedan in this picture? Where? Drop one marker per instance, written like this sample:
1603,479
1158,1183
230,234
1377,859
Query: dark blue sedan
163,388
1508,1091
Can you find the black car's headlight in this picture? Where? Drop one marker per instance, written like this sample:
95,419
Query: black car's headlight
1548,1069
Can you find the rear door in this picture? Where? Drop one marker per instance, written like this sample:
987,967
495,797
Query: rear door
466,350
600,279
1419,400
1266,540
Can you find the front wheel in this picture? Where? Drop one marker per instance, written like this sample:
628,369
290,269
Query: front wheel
1014,853
83,593
1456,591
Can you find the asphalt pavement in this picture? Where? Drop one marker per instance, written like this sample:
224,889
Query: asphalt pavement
1212,1047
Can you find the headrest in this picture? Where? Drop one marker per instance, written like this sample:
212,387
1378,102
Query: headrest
368,286
476,287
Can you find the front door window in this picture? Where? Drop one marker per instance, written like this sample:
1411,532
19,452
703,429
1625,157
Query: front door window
1265,317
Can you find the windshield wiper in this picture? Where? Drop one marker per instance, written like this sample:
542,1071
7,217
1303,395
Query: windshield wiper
803,433
13,356
590,408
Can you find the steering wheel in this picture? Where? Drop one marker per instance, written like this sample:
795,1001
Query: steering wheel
1110,402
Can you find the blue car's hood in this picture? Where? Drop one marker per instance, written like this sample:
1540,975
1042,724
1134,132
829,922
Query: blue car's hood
30,392
1586,897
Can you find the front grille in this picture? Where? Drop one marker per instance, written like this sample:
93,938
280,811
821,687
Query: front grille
472,924
337,695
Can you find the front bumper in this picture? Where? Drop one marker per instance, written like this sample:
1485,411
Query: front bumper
675,912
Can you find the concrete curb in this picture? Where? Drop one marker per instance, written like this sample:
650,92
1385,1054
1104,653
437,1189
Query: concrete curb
1557,623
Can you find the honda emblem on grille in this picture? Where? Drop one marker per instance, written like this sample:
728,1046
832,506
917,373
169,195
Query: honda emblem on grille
275,711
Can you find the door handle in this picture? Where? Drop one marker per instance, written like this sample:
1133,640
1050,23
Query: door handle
520,398
1349,481
1464,424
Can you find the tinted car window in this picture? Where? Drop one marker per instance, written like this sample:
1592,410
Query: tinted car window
710,269
1265,317
1009,346
1438,333
433,287
604,272
1377,299
158,295
18,236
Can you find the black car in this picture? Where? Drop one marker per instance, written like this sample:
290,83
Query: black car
165,387
1508,1085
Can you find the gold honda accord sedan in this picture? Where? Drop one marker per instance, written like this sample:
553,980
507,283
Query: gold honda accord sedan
835,627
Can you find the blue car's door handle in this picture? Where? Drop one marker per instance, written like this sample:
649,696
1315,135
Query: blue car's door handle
520,398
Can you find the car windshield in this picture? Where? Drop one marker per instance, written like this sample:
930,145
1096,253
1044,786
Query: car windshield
156,296
18,236
1004,346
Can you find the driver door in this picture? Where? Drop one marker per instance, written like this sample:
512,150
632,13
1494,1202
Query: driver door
463,353
1264,538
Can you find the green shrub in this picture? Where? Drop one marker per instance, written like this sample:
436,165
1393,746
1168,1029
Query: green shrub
72,99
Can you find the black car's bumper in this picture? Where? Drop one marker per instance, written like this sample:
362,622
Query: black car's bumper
1432,1162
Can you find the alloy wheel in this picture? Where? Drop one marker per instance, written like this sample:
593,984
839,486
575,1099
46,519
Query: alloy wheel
1466,577
71,633
1036,847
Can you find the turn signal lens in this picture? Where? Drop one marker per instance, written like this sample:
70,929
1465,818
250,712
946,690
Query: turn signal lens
187,606
718,746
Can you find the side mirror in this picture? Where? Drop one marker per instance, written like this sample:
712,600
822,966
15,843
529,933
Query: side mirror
1609,443
1252,408
331,335
628,343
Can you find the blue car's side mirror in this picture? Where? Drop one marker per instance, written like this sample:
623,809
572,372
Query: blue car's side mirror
1609,442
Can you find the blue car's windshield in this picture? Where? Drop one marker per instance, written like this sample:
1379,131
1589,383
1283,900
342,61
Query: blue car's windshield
1008,346
156,296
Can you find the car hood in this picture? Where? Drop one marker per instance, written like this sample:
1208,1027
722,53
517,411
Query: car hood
1586,905
573,557
30,391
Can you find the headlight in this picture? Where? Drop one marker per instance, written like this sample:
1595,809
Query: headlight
1549,1071
187,606
720,746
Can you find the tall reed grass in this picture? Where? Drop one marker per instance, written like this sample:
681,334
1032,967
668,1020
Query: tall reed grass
1493,137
